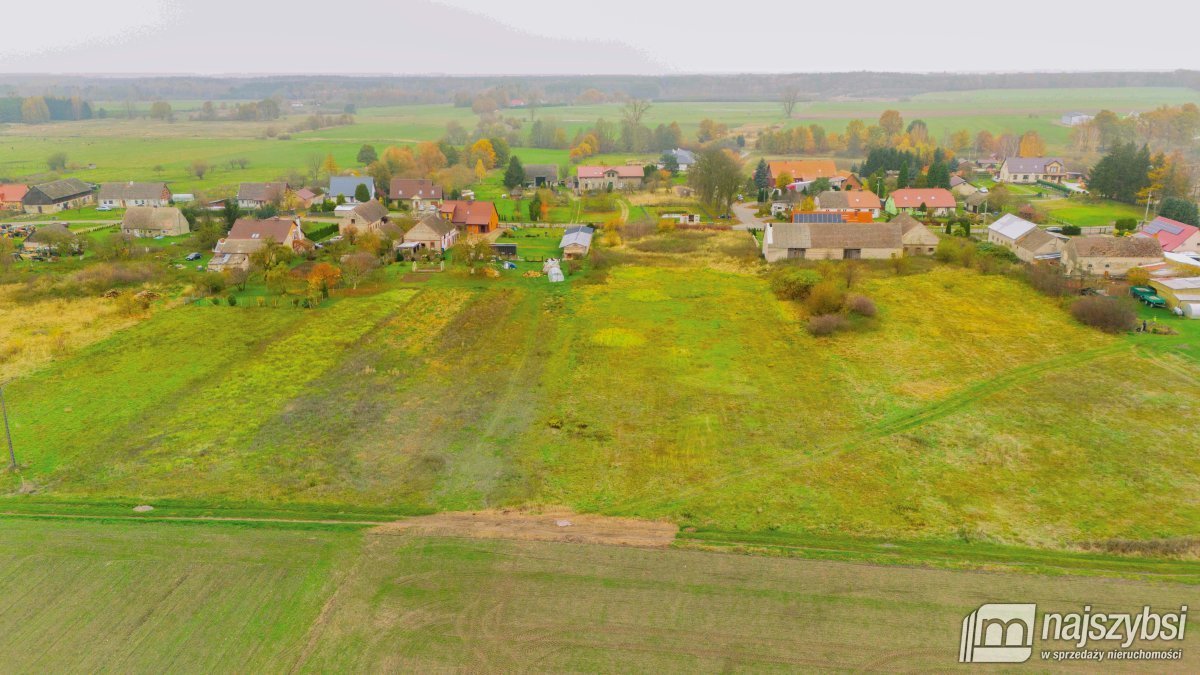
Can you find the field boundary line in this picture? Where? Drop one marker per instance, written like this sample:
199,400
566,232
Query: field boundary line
193,519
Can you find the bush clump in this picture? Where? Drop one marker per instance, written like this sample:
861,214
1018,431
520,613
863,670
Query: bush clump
791,283
825,298
1111,315
1047,280
824,325
861,305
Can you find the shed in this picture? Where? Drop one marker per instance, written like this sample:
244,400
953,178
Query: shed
576,241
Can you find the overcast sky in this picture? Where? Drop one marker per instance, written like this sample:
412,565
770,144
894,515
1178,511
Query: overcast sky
618,36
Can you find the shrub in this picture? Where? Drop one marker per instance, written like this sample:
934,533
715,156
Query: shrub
861,305
790,283
1126,225
825,298
826,324
1111,315
232,300
1138,276
1072,229
1047,280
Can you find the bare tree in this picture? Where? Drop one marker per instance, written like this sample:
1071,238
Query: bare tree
789,99
356,267
634,110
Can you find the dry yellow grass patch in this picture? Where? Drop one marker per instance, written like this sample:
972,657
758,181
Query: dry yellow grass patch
33,334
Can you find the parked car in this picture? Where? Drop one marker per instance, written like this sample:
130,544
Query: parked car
104,207
192,256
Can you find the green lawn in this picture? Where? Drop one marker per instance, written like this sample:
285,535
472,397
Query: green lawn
1087,213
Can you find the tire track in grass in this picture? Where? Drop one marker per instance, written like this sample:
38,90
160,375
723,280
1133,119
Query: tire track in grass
892,425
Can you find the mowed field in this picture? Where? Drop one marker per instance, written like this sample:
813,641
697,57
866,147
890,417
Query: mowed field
143,149
673,386
222,597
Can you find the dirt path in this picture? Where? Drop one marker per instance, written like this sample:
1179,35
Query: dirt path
552,524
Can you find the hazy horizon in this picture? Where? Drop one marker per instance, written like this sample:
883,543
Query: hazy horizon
521,38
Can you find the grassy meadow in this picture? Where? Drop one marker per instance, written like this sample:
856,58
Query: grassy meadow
110,595
674,385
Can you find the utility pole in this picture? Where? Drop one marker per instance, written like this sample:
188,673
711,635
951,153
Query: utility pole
12,456
1146,218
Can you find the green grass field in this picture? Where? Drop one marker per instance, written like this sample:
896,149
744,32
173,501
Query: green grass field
122,149
673,387
187,597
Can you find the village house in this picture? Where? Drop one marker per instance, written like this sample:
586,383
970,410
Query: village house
11,195
248,235
576,241
347,187
1074,119
832,241
306,197
937,202
125,195
685,159
59,195
257,195
976,203
48,238
364,217
1182,294
1109,256
1032,170
432,233
1029,242
853,201
420,194
628,177
471,216
960,187
916,238
1172,235
154,221
801,171
541,175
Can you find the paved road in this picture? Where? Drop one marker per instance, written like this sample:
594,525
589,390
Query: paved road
746,215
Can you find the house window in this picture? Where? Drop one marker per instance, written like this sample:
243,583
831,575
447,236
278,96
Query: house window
796,253
852,253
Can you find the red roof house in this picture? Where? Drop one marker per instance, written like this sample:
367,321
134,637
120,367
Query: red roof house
938,201
1172,234
474,217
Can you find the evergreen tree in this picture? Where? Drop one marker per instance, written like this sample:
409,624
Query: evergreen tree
367,155
535,208
903,180
514,175
1182,210
762,175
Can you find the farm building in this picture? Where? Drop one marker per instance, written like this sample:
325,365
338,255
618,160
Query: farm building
576,241
803,170
433,233
934,201
1032,170
1182,293
1074,119
59,195
976,203
48,237
820,217
1028,241
915,236
832,241
125,195
347,186
419,193
248,235
854,201
364,217
1109,256
609,177
150,221
541,175
11,195
471,216
258,195
306,197
1172,235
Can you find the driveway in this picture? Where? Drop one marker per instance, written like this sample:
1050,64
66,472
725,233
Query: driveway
746,215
